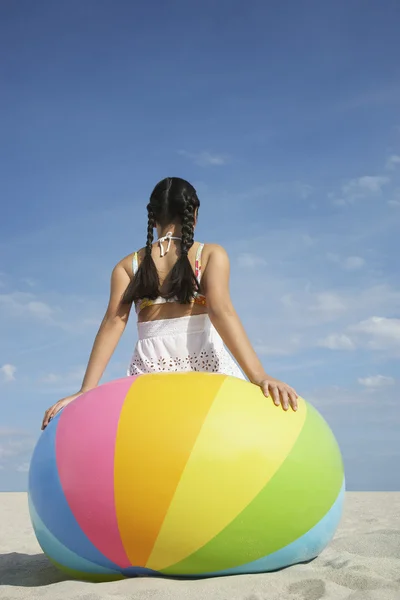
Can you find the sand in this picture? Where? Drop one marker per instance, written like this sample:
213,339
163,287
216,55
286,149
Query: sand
362,563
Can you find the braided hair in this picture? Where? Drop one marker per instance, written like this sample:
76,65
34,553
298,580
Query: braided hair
172,199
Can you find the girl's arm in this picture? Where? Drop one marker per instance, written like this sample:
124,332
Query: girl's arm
215,283
107,338
110,330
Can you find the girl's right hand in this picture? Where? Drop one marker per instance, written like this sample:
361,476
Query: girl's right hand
280,392
53,410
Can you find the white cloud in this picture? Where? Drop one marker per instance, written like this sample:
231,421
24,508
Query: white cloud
250,261
23,467
8,372
372,184
15,448
392,162
374,333
297,310
376,381
328,304
305,190
275,190
51,378
381,96
72,376
394,201
278,348
308,240
350,263
71,314
29,281
206,159
21,304
360,188
379,333
337,342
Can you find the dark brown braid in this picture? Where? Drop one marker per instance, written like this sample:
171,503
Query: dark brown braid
150,229
187,226
182,282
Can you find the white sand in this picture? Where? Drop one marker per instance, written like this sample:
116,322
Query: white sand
362,563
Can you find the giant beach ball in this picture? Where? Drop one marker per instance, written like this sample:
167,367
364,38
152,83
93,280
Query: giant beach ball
183,475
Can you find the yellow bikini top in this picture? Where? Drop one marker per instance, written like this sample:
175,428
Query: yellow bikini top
197,299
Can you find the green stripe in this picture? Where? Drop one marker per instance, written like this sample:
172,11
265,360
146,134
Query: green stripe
81,576
294,500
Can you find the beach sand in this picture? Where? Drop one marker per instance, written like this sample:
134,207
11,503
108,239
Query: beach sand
362,563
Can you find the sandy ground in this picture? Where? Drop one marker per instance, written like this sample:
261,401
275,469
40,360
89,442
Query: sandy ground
362,563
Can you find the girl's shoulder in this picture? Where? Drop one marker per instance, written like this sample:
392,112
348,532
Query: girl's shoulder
214,254
128,261
213,249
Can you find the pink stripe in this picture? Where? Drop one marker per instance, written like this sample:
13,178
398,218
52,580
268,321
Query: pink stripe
85,445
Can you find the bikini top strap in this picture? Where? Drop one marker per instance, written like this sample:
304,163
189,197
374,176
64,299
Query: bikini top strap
135,263
197,269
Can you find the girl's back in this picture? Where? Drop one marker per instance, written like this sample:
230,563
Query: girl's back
164,262
176,336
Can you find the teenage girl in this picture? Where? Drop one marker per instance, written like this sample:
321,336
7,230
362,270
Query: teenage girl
180,289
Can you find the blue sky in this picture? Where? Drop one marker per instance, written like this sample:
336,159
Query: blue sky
286,117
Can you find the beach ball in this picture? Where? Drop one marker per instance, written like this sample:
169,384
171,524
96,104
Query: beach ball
183,475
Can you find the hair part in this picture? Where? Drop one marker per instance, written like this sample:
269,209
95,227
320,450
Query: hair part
173,199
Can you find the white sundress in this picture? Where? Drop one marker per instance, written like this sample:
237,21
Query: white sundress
184,344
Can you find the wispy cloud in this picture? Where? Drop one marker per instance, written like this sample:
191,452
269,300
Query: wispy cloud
250,261
15,448
371,184
61,384
393,162
206,159
328,304
59,313
8,372
29,281
386,95
350,263
379,333
23,467
376,381
374,334
71,376
21,304
336,341
360,188
283,347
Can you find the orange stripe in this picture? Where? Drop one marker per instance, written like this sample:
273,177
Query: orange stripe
159,424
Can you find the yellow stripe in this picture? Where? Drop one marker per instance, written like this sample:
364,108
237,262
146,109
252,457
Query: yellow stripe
243,442
159,423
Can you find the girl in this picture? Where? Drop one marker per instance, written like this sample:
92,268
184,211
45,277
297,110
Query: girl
180,289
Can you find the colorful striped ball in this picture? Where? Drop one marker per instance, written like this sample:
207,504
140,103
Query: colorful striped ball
186,475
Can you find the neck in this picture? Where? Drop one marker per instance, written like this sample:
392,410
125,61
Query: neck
174,228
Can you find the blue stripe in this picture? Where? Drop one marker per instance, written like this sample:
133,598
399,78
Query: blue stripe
48,499
59,553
